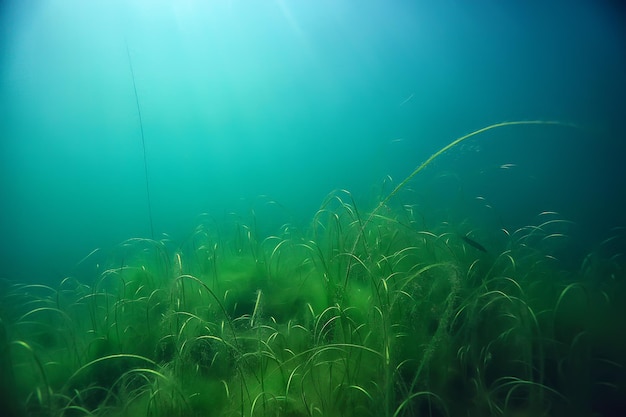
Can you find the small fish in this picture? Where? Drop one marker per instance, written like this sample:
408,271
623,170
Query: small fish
473,243
507,166
406,100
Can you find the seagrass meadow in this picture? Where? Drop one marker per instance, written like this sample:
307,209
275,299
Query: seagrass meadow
312,208
377,311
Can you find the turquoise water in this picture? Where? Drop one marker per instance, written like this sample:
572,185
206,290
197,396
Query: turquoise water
138,119
291,101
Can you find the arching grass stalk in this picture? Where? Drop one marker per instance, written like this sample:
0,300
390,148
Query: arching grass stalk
452,145
118,356
434,156
42,373
66,320
219,303
416,395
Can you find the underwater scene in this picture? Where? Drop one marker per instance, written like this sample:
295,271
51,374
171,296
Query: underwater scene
294,208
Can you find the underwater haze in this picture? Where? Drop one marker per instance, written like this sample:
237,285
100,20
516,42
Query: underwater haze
290,100
270,208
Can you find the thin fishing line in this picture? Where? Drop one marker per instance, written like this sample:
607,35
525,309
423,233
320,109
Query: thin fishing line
143,140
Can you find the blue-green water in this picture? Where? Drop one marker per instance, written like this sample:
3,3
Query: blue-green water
217,140
291,100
